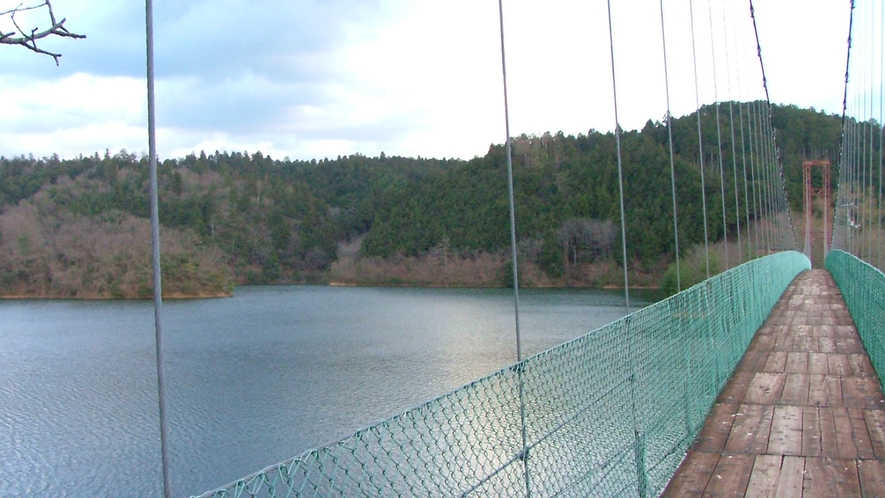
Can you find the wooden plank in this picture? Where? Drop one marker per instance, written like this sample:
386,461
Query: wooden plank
753,361
845,329
829,477
766,329
792,476
800,343
731,476
777,361
827,331
715,432
736,388
824,390
764,476
818,363
797,363
751,429
779,329
838,364
765,388
811,343
875,421
849,345
872,477
783,343
811,431
795,390
845,446
762,342
853,392
862,392
786,431
828,447
827,344
693,474
859,434
860,365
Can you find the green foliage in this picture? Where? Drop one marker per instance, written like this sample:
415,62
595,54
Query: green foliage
281,221
551,258
692,271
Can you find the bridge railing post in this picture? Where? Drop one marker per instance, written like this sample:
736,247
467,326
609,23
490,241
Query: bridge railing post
638,434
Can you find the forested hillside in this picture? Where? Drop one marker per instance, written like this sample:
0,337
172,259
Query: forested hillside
79,228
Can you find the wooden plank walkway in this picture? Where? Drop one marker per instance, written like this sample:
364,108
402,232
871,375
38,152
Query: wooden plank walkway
803,414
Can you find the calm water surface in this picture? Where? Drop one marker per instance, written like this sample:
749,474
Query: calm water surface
252,380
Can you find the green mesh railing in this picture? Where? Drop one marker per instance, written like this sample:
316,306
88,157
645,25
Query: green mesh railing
863,288
611,413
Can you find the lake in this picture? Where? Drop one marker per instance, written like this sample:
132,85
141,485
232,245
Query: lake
251,380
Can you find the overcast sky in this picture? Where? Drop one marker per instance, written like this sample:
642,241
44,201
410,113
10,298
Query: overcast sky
322,78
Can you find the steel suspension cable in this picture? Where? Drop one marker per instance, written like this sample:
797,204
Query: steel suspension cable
750,254
524,452
718,135
749,182
881,122
620,169
737,205
760,176
774,155
844,156
860,108
869,124
772,169
700,140
751,140
769,183
765,192
765,138
155,250
858,173
669,119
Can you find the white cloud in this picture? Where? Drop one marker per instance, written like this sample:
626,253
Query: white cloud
312,78
73,141
79,114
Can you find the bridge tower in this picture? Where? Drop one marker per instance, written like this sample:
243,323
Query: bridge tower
822,191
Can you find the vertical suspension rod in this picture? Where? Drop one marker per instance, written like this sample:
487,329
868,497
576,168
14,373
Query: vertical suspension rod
737,204
670,141
155,249
718,136
842,200
700,142
524,452
611,41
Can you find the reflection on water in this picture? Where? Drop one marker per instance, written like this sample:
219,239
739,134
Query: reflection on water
251,380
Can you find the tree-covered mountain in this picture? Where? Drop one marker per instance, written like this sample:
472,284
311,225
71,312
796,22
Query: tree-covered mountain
241,218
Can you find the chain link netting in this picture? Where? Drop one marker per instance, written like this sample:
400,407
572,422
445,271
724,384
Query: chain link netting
611,413
863,288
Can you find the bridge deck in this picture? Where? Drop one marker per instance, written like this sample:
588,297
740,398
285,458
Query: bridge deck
803,414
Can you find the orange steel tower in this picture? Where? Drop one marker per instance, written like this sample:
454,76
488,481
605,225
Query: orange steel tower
810,193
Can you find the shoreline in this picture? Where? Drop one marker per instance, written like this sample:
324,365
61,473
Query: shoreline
220,295
169,297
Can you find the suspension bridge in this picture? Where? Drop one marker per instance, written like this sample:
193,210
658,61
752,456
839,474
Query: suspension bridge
776,361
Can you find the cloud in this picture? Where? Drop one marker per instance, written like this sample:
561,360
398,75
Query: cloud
311,78
81,113
804,46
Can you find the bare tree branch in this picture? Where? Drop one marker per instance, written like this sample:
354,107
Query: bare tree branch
28,39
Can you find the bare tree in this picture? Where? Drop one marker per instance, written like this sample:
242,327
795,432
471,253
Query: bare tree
28,39
579,235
